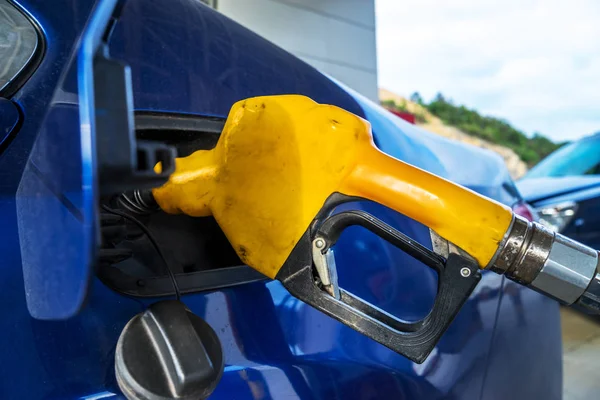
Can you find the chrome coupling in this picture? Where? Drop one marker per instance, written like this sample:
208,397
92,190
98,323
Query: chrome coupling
550,263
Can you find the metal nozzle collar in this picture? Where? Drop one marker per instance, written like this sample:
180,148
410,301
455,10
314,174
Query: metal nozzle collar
548,262
526,249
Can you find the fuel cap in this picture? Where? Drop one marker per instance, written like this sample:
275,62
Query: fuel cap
167,352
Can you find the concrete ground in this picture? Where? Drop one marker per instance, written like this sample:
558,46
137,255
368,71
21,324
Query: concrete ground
581,356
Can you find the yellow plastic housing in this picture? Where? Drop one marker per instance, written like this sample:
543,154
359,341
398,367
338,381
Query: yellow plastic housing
280,157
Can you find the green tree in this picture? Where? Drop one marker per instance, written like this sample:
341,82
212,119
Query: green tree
416,98
496,130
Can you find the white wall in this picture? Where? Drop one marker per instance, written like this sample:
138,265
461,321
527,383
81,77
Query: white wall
335,36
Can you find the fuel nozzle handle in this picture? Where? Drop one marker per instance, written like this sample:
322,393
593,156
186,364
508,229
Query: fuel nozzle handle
550,263
280,159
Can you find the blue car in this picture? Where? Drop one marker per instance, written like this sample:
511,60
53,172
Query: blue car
92,95
565,190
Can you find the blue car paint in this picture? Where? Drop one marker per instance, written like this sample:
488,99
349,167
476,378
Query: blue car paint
583,190
536,190
193,60
525,361
559,178
275,346
584,227
58,187
585,224
9,118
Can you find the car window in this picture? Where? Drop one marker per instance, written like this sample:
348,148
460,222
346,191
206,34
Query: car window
579,158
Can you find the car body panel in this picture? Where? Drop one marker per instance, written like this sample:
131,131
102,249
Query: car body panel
527,329
539,189
9,118
177,67
584,226
543,189
57,195
275,346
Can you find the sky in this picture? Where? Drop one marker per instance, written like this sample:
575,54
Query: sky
533,63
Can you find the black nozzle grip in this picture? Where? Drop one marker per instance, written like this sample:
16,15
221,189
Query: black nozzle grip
457,277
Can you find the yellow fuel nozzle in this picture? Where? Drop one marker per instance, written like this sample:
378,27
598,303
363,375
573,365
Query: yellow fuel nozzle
281,164
280,157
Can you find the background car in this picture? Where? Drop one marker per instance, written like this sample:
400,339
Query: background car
564,188
66,297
